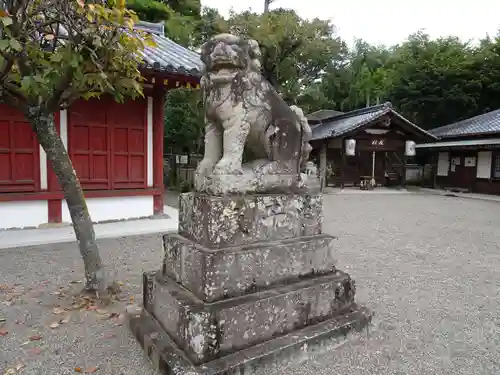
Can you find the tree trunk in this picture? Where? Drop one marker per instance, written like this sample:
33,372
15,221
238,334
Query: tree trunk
49,139
266,5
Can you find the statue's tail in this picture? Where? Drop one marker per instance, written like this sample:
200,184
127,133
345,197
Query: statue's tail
305,137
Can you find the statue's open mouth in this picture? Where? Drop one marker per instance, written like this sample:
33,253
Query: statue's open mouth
224,63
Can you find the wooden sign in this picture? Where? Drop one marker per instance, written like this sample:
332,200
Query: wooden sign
378,142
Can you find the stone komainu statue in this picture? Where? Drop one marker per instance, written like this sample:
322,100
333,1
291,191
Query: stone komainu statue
244,112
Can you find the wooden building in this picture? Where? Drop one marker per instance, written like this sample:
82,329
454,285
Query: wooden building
116,149
365,146
467,155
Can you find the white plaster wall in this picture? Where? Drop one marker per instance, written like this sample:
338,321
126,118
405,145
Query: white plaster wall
20,214
114,208
484,164
443,164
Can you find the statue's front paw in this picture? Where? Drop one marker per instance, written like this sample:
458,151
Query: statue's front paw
227,166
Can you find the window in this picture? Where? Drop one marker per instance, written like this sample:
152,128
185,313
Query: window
19,153
107,143
496,166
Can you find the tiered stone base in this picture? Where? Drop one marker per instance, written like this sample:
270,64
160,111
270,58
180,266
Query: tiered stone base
220,309
168,359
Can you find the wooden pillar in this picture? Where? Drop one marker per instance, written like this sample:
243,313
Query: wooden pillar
158,134
322,163
342,164
403,177
434,162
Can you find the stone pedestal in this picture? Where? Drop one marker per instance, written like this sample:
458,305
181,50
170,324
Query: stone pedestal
248,281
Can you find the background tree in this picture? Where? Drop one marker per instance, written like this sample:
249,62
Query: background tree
183,121
432,82
52,53
295,51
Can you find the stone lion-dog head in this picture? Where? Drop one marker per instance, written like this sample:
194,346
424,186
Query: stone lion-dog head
227,54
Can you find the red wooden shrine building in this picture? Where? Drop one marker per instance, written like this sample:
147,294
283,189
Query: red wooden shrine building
116,149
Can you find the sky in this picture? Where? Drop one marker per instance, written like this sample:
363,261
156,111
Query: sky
389,22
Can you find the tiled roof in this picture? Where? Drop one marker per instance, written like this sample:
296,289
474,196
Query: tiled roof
486,123
322,114
347,122
168,56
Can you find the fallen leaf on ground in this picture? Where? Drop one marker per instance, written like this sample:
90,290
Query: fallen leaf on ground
19,366
65,320
10,371
119,320
54,325
92,307
58,310
132,299
91,370
35,338
78,369
109,336
3,333
35,351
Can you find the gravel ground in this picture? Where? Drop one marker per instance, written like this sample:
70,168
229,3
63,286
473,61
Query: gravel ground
428,266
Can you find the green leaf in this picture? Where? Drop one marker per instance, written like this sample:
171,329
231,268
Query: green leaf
7,21
4,43
15,45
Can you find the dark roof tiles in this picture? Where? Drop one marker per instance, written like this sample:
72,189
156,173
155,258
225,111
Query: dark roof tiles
487,123
344,123
168,56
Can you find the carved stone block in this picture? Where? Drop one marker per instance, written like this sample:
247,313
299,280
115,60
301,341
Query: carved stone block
205,331
214,274
220,221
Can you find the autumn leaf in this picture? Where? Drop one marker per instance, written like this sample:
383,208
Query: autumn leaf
3,333
90,370
58,311
54,325
35,338
35,351
19,366
65,320
78,369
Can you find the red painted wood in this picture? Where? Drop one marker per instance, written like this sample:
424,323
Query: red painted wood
55,210
129,143
158,204
49,195
87,143
19,153
107,143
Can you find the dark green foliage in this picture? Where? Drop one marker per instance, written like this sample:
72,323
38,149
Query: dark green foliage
150,10
183,121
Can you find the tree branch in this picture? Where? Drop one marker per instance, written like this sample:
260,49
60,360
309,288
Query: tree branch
61,86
